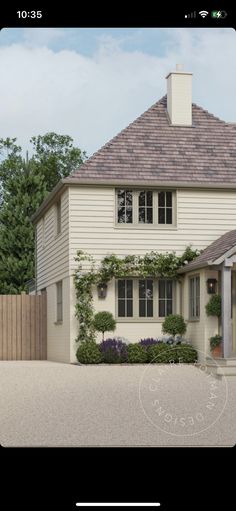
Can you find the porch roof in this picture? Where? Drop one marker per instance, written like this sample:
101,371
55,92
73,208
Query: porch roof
215,253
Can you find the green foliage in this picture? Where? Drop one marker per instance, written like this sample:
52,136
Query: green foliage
158,353
24,184
104,322
55,157
136,354
152,264
171,353
185,353
215,341
22,195
213,307
84,310
89,353
174,324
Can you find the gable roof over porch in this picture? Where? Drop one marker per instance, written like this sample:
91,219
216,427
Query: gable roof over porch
223,247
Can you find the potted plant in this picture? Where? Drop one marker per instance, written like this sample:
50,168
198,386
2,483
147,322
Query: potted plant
216,346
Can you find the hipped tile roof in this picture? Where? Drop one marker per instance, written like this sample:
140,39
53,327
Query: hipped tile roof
152,150
217,249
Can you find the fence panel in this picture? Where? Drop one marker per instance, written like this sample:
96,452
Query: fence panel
23,327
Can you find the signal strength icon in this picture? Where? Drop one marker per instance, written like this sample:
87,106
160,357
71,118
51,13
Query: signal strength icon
203,14
191,15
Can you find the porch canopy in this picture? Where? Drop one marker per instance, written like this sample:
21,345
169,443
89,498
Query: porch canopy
220,255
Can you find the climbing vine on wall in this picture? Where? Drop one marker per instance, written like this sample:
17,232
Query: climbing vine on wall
151,264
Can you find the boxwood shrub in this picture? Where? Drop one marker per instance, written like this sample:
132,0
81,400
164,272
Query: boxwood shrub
164,353
158,353
137,354
89,353
185,353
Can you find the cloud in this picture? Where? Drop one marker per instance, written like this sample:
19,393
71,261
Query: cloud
93,97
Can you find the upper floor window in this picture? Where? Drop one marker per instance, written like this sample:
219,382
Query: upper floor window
43,232
149,207
165,207
194,297
125,206
58,216
59,315
145,207
144,298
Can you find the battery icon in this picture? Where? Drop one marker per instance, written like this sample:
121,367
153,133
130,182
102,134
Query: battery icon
218,14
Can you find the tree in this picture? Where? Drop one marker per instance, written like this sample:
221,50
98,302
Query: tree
24,184
174,324
22,195
55,157
104,322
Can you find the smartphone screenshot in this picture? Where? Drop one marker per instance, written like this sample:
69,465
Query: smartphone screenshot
118,247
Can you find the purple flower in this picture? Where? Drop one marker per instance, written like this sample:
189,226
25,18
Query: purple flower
113,351
149,341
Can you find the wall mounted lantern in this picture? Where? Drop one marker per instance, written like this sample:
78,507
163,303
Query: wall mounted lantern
102,290
211,286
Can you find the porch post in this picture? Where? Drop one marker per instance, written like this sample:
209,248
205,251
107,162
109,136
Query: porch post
226,307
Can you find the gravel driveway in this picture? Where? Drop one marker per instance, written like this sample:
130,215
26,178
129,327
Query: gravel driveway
52,404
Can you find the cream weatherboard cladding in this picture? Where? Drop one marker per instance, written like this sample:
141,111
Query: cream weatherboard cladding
53,249
202,216
89,223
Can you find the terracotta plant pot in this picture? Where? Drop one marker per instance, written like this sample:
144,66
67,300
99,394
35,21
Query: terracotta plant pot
217,351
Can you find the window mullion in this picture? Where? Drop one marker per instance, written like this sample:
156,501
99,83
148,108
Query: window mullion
135,299
155,299
155,207
135,207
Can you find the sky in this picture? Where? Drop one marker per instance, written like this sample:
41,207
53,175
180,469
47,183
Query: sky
91,83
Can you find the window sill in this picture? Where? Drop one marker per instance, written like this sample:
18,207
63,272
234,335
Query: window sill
139,320
58,322
146,226
193,320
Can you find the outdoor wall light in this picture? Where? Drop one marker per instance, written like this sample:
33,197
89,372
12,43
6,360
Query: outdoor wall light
102,290
211,286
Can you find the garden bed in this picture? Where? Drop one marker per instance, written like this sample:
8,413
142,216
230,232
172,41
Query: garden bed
146,351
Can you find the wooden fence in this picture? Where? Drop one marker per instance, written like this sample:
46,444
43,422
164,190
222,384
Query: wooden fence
23,327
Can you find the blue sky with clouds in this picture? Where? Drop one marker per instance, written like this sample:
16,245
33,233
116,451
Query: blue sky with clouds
91,83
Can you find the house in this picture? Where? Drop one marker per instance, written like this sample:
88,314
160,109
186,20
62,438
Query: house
166,181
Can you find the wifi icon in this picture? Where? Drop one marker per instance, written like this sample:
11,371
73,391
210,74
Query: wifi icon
203,14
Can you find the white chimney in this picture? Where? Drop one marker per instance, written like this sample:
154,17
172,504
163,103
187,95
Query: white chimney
179,97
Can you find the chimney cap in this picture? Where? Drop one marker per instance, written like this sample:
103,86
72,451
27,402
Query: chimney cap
179,69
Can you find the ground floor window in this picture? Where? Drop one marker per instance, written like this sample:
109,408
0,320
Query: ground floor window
144,298
194,297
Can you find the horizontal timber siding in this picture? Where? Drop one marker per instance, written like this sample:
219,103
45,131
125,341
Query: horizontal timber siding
53,253
202,216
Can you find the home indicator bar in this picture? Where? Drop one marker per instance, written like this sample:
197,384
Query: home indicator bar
118,504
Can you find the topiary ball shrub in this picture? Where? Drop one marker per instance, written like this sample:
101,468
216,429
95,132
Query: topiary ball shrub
89,353
104,322
136,354
148,341
174,324
113,351
159,353
213,307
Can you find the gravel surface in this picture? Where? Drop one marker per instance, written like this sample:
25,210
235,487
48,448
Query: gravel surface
52,404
